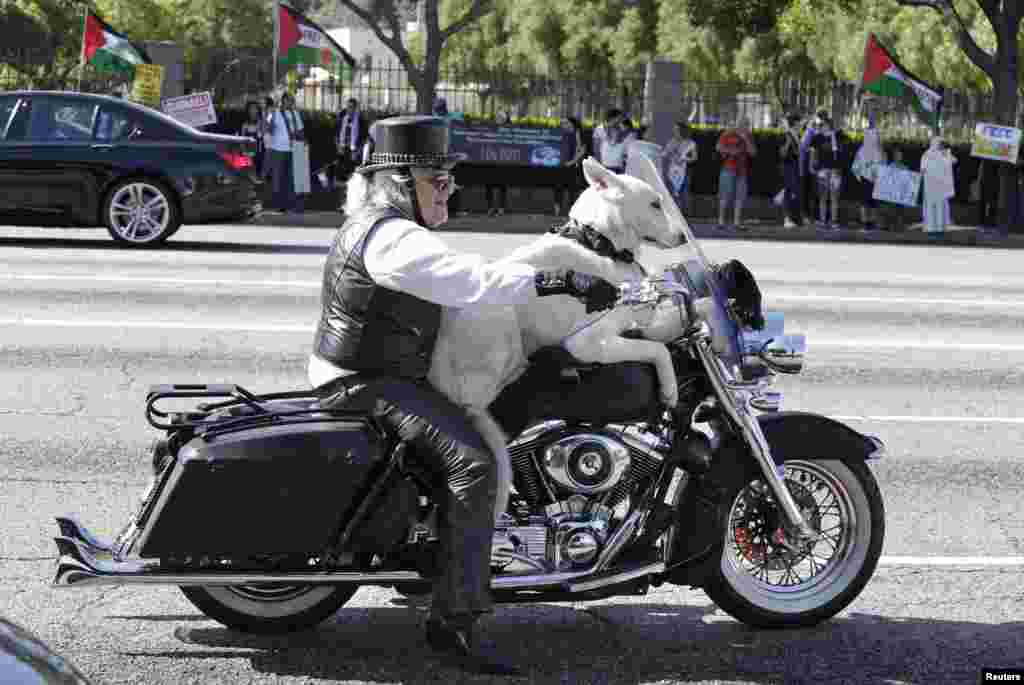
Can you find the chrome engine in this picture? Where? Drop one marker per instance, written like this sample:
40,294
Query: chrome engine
574,489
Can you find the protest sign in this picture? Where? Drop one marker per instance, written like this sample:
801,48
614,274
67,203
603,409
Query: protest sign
1001,143
514,145
148,84
194,110
899,186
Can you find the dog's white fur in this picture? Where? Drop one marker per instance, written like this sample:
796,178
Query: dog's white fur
480,350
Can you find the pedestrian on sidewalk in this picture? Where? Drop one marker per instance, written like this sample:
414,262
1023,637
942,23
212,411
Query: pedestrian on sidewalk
790,157
937,171
827,164
808,182
350,137
572,173
610,141
679,153
736,146
988,193
255,127
495,206
869,157
283,125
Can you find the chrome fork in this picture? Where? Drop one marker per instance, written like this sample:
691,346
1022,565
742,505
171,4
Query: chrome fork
736,399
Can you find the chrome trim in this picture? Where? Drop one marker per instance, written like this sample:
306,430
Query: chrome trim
880,448
651,569
735,399
557,455
618,540
784,353
770,400
71,528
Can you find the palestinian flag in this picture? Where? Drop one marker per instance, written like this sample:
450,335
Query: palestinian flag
884,76
301,41
108,50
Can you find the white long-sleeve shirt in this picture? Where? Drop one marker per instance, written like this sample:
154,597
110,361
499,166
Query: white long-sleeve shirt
403,256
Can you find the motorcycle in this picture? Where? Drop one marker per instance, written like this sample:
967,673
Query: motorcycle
270,512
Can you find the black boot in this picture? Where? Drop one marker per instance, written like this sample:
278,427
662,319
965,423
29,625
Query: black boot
456,643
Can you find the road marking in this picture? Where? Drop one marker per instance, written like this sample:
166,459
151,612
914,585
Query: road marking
782,297
154,280
885,343
1012,420
951,561
812,340
894,300
174,325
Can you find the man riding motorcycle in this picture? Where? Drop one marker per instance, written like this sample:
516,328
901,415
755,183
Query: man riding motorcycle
386,280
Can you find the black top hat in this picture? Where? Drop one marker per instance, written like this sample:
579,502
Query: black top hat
410,141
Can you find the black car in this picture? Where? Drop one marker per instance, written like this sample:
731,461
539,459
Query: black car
104,161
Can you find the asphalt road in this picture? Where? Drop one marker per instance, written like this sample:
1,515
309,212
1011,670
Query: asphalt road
919,345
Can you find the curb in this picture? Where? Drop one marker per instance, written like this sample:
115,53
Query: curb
539,223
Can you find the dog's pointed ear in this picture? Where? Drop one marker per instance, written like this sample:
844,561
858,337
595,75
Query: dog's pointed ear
600,178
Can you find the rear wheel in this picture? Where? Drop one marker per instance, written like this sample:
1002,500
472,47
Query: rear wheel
766,584
269,607
140,212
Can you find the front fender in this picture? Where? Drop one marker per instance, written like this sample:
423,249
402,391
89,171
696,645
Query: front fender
801,435
696,543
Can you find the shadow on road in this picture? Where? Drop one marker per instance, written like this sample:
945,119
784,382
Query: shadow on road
170,246
623,643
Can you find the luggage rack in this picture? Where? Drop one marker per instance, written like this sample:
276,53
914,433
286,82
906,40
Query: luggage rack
261,413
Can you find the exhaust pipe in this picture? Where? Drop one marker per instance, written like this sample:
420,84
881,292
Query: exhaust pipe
87,561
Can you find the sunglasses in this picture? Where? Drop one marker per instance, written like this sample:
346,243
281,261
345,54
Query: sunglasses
442,184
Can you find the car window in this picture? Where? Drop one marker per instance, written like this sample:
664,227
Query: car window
119,125
18,120
63,120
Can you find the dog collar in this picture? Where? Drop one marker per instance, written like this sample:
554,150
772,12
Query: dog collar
590,238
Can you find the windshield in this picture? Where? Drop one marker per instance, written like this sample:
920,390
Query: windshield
689,265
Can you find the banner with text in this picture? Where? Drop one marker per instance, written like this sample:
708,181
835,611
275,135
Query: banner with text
1001,143
492,144
899,186
194,110
148,84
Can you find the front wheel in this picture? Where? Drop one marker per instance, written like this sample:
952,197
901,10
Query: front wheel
767,585
269,608
140,212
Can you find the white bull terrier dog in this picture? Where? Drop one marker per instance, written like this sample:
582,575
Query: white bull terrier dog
480,350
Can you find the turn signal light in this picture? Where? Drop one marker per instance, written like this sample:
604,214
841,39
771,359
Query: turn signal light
235,160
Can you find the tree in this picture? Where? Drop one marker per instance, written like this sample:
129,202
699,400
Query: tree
385,18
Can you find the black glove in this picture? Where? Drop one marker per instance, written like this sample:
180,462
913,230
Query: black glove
596,292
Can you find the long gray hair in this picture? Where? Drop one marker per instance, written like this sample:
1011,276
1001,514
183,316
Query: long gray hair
383,189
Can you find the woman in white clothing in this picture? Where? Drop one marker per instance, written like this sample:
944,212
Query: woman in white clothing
937,170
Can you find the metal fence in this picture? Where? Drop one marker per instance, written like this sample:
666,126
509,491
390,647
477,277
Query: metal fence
236,75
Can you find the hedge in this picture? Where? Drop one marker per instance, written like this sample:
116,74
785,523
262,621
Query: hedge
766,179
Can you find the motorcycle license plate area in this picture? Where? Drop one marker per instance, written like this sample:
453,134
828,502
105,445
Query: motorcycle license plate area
266,490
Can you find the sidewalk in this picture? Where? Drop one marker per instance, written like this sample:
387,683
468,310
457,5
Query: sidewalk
964,236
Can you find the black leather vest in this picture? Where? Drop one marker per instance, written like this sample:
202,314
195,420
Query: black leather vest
366,327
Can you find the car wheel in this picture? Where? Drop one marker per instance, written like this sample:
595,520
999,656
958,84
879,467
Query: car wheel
140,212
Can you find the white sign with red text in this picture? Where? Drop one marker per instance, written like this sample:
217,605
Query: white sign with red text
195,110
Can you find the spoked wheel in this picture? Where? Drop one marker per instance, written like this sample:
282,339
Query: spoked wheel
269,607
767,584
140,212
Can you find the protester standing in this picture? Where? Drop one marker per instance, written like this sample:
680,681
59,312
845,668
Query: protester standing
350,138
679,153
286,128
869,157
809,183
269,107
937,172
736,146
790,157
610,140
572,173
827,150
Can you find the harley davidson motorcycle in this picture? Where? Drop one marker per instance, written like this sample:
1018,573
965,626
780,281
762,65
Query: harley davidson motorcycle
270,512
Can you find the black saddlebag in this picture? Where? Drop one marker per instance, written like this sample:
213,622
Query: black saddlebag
281,489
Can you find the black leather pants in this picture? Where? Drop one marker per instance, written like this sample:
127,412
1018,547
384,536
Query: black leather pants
440,434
